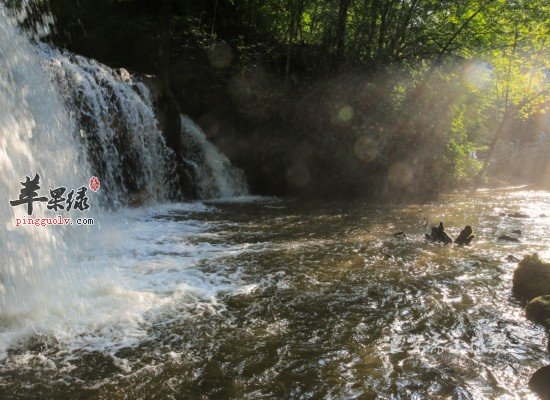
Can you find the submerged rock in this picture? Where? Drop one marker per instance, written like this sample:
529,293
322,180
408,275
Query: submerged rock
516,232
538,310
439,235
466,236
507,238
518,214
540,382
512,258
531,278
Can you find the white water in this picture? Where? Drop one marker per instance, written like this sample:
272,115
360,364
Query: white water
68,118
117,122
216,177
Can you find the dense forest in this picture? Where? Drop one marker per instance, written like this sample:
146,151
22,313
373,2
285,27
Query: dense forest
348,97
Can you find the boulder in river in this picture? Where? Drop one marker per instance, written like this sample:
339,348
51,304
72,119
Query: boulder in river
538,310
512,258
531,278
439,235
540,382
516,232
466,236
506,238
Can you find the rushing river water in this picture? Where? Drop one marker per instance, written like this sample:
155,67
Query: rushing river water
267,298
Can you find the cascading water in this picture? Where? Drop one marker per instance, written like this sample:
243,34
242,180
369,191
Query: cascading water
117,124
36,136
68,118
216,177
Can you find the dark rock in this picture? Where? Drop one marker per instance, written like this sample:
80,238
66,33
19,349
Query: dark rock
399,233
169,117
466,236
507,238
531,278
518,215
502,214
543,215
512,258
516,232
540,382
439,235
538,310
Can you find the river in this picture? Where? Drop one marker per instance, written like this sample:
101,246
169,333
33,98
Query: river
268,298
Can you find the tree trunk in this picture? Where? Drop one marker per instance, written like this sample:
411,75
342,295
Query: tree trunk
341,29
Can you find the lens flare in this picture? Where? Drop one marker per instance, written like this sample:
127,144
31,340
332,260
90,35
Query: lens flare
400,175
345,114
477,75
365,149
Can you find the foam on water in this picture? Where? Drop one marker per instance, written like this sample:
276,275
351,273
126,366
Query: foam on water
67,118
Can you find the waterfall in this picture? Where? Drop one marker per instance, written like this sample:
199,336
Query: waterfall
117,125
68,118
215,176
36,136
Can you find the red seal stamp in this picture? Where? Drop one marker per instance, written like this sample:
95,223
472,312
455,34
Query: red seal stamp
94,184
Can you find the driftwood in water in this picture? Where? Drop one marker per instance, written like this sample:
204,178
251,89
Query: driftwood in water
466,236
439,235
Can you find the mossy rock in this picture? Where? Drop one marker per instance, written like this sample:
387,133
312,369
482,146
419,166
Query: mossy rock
531,278
538,310
540,382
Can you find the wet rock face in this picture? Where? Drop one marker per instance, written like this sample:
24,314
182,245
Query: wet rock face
168,115
540,382
538,310
531,278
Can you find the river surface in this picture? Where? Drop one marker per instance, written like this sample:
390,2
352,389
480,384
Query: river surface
286,299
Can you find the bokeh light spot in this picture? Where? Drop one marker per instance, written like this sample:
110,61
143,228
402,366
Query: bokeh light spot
345,114
400,175
477,75
365,149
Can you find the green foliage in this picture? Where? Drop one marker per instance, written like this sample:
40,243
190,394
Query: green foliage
426,83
